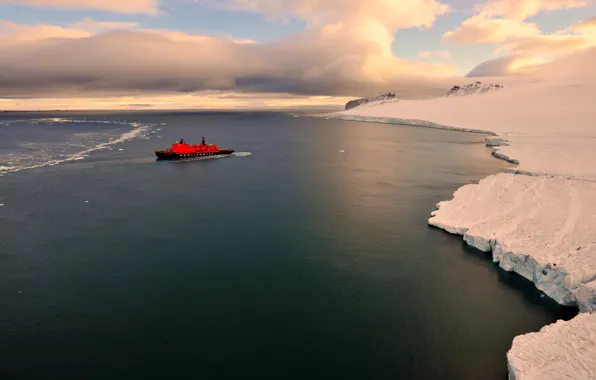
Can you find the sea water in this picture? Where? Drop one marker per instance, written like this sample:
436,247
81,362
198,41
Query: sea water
306,254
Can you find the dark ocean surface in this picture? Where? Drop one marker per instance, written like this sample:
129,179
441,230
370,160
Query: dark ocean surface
306,255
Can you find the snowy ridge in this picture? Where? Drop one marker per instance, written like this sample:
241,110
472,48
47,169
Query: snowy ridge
376,99
473,88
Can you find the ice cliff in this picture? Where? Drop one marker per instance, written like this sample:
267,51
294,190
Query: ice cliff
540,227
380,98
539,217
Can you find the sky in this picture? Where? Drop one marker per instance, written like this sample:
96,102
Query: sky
271,54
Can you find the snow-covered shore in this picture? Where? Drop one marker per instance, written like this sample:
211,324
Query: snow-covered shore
539,218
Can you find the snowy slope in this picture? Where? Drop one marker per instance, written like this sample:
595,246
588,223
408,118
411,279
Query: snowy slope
541,224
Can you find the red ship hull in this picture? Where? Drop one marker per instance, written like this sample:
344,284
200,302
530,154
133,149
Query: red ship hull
166,155
182,150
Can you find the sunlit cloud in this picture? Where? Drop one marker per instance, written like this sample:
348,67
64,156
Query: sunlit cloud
498,21
346,50
13,34
118,6
333,59
208,100
522,9
98,26
504,23
480,29
586,25
441,54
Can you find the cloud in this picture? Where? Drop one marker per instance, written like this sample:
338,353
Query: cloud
492,68
442,54
508,66
14,34
480,29
565,70
98,26
584,25
129,62
498,21
504,23
522,9
391,14
529,53
580,36
117,6
374,20
208,100
346,50
349,53
550,44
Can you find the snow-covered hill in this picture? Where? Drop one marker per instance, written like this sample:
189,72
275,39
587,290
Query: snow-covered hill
473,88
380,98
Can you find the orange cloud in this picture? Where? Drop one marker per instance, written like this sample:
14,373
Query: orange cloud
117,6
529,53
498,21
12,34
522,9
585,25
202,100
391,14
334,59
479,29
347,50
550,44
503,22
97,26
580,36
438,54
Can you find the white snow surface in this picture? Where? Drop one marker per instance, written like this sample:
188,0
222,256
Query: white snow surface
562,350
539,217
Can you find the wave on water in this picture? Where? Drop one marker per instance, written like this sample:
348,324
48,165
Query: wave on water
77,147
